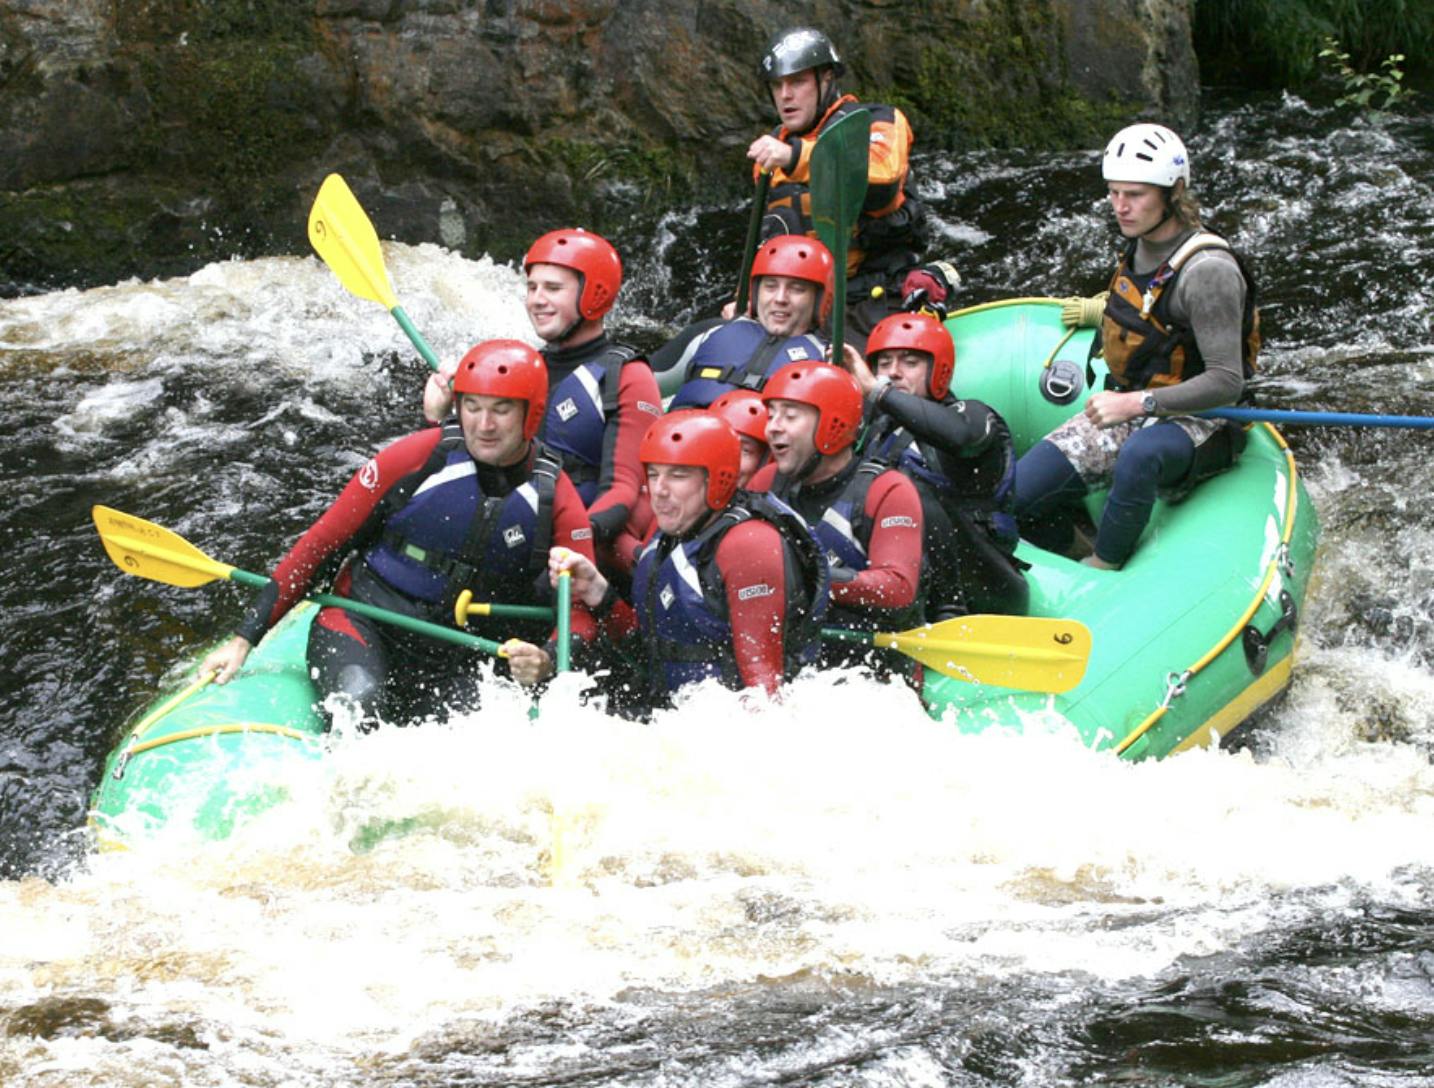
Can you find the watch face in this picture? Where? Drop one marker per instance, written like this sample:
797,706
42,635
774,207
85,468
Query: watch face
1148,403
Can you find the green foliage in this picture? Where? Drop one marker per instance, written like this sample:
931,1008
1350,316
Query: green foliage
1278,42
1360,88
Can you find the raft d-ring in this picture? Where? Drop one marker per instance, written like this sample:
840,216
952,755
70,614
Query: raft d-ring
1175,686
1284,562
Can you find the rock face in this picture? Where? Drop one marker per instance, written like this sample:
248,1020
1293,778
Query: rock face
150,136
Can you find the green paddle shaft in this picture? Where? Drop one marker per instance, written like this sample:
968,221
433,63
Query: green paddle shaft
415,337
565,618
397,619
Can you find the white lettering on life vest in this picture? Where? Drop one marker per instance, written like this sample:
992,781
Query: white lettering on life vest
901,521
761,589
650,409
368,475
513,536
567,410
797,354
667,596
582,534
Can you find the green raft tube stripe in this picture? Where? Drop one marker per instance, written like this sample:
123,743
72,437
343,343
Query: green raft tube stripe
136,745
1272,680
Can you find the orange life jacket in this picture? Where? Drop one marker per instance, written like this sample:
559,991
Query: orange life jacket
1142,346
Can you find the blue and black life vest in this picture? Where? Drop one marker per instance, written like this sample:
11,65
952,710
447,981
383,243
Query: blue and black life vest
681,598
843,530
986,491
740,355
444,535
576,421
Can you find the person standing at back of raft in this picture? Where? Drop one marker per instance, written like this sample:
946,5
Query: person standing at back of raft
958,453
731,586
1179,335
801,70
866,515
474,504
791,295
603,395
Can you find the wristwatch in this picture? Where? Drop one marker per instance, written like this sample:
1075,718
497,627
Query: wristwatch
1147,404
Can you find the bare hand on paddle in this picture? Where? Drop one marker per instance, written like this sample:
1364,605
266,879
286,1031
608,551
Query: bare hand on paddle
438,394
226,660
770,153
529,664
589,585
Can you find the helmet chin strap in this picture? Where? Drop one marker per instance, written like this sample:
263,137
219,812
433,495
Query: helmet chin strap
567,332
808,467
1169,211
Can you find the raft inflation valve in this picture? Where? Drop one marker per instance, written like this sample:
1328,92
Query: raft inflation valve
1257,645
1062,381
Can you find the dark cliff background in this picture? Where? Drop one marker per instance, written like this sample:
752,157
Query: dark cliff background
148,137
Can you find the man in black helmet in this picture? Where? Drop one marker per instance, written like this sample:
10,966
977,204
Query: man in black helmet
801,69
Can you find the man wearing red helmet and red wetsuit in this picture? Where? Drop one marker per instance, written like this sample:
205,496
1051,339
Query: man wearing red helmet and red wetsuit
475,504
791,295
602,394
732,586
866,515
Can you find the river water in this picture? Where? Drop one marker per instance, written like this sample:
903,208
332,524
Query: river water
835,891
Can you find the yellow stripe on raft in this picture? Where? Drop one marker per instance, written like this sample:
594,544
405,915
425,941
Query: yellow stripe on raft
1275,680
1291,497
218,730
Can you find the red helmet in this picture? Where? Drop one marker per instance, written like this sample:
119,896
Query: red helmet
917,332
744,412
802,258
591,256
506,368
692,436
831,391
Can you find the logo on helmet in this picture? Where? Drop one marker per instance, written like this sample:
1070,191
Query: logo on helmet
795,43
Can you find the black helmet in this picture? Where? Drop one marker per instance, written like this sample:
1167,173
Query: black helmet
796,49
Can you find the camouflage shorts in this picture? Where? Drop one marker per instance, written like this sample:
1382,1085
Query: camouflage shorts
1092,450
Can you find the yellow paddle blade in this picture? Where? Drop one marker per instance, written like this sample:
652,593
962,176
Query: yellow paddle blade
342,235
151,551
1032,653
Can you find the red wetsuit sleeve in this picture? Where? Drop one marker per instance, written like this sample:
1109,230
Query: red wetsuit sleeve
357,503
762,479
893,573
751,560
635,534
639,403
572,530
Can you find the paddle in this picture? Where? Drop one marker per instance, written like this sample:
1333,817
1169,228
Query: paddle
342,235
1031,653
1325,419
151,551
465,606
749,247
838,188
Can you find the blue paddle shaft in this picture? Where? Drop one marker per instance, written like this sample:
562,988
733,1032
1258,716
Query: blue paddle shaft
1328,419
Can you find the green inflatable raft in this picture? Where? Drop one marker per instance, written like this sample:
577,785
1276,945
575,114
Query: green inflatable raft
1194,635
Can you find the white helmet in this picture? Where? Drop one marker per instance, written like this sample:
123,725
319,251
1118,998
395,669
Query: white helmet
1148,154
